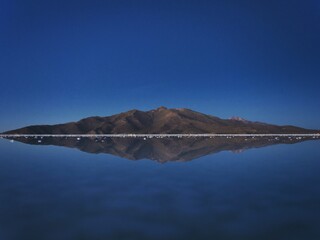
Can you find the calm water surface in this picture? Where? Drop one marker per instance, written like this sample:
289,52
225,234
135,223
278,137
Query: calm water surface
49,192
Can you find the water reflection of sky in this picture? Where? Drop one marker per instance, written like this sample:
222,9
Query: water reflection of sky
59,193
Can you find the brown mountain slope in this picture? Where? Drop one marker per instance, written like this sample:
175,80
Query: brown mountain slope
160,120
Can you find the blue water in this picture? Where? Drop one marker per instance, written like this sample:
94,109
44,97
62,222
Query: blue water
49,192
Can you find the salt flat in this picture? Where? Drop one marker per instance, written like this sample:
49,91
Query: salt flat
132,135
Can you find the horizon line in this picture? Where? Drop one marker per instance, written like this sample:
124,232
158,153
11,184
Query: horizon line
141,135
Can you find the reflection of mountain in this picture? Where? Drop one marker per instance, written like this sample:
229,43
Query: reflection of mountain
164,149
160,120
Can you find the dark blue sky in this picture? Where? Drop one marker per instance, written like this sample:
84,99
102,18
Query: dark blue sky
64,60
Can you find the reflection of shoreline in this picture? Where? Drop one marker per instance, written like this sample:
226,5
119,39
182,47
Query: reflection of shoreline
238,151
164,135
161,149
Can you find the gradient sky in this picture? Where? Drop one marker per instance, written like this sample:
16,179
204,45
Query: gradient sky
64,60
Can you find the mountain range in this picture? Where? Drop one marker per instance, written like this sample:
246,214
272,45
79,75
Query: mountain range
160,120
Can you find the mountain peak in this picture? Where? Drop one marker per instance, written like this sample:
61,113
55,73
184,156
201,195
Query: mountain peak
161,108
240,119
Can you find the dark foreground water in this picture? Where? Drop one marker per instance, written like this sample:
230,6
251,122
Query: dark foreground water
50,192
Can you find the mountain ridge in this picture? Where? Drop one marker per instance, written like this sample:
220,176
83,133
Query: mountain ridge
160,120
